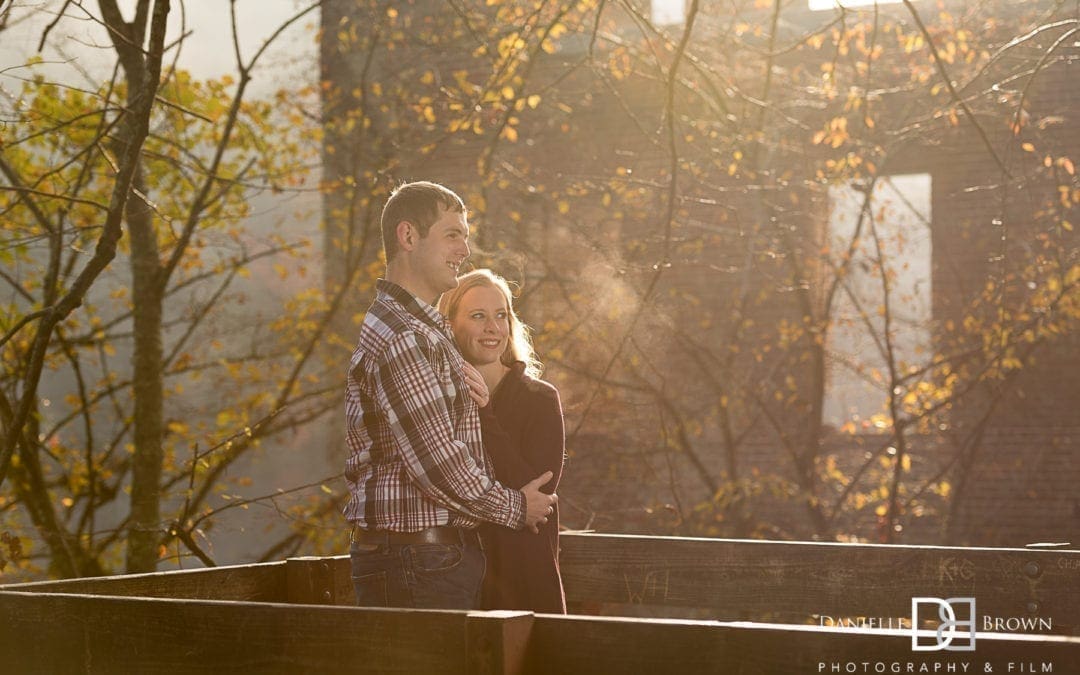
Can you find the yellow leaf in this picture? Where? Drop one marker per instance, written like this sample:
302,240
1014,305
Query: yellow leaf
1028,147
534,100
508,92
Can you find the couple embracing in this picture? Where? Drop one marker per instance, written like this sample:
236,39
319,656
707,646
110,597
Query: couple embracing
455,447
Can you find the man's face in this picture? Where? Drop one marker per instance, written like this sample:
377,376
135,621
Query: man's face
437,257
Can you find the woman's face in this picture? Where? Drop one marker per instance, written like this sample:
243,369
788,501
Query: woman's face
482,325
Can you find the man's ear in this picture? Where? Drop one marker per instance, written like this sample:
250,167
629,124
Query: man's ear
406,235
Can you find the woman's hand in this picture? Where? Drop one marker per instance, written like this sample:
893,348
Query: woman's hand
478,390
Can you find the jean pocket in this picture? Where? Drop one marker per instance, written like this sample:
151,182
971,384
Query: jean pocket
428,558
371,589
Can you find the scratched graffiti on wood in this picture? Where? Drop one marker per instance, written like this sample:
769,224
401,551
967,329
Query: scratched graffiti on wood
955,569
651,588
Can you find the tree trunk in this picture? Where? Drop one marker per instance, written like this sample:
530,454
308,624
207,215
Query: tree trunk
145,530
147,389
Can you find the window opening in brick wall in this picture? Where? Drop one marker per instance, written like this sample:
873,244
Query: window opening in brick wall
667,12
834,4
857,370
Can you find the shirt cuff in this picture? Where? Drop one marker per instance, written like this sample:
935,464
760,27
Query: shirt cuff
517,509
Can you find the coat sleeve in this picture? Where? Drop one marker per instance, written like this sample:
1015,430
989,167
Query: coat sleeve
544,443
541,447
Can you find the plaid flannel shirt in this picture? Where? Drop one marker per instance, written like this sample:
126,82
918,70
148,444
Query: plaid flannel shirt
416,458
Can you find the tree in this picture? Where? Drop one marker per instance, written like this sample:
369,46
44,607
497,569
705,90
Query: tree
668,189
182,160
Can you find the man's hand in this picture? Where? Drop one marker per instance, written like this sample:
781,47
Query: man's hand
478,390
538,505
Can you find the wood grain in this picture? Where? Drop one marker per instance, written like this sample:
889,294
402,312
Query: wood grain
795,582
264,582
61,633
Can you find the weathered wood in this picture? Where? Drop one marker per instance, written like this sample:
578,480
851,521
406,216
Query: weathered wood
587,645
795,582
260,582
791,582
62,633
498,642
310,581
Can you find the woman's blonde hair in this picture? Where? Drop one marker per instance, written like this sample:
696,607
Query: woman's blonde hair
519,347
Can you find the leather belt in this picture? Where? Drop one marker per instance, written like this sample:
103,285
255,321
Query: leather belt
443,534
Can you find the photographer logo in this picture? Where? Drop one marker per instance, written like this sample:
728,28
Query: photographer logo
955,619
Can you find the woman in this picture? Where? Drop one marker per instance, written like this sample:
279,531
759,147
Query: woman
523,435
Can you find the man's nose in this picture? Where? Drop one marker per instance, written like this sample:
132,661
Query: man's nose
467,251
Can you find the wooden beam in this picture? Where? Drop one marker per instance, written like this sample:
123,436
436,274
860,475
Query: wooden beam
261,582
498,642
61,633
573,644
798,582
312,581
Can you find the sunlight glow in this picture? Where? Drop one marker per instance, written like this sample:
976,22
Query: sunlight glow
857,369
833,4
667,12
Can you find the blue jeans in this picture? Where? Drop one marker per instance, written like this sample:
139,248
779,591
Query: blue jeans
422,576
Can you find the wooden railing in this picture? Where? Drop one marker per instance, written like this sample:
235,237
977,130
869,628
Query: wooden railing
766,607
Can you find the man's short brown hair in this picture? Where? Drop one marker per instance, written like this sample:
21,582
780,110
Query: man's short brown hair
419,203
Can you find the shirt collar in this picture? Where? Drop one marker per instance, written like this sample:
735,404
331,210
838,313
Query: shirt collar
412,304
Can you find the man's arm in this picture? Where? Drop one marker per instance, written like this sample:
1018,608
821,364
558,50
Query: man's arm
417,409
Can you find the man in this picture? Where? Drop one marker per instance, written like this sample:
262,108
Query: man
418,479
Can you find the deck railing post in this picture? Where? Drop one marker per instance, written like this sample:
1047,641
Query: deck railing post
497,641
310,581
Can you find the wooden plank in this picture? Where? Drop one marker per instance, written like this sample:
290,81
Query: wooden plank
797,582
341,578
310,581
569,645
498,641
62,633
262,582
